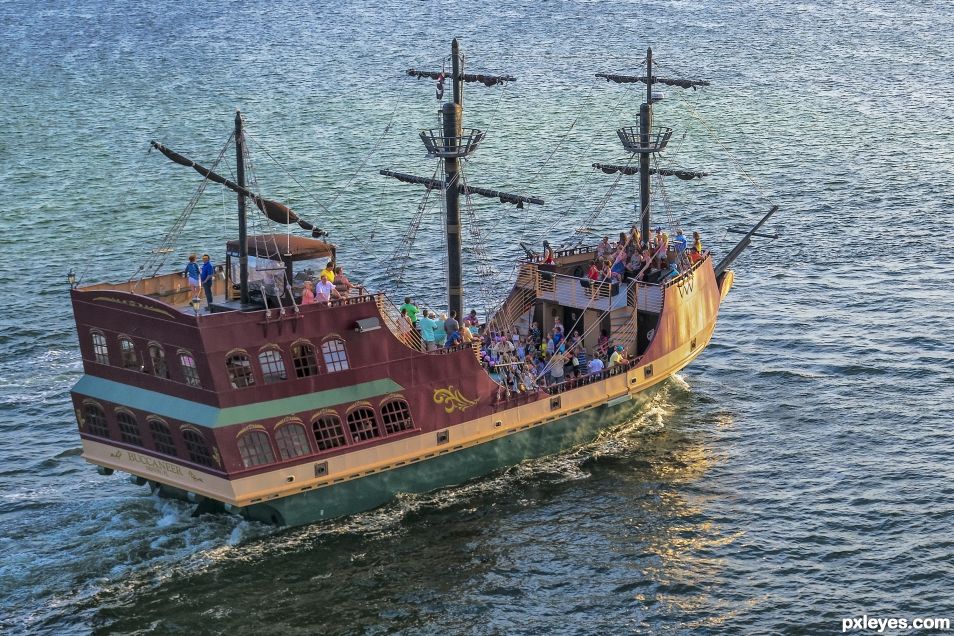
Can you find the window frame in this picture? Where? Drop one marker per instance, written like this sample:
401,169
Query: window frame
98,428
358,428
153,347
133,436
387,411
190,372
281,439
255,433
99,356
338,437
334,354
302,363
165,447
198,449
248,377
129,358
272,373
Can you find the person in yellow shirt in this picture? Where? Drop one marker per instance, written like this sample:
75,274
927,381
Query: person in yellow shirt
329,271
618,356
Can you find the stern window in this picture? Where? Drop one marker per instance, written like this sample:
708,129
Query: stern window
273,367
128,355
95,420
396,417
362,424
292,441
197,448
128,428
189,370
240,370
158,359
336,358
100,348
328,432
162,438
256,449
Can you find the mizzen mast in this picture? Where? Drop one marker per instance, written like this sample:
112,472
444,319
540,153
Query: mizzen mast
452,143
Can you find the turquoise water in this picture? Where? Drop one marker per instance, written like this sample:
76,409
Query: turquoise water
798,473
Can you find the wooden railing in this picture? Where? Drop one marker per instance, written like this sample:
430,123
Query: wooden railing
410,336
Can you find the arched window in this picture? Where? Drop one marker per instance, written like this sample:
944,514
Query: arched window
95,420
128,428
334,354
240,370
189,370
255,448
162,438
273,367
328,431
362,424
128,355
304,359
100,348
158,359
196,446
396,416
292,440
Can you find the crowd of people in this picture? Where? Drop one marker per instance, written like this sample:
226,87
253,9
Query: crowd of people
519,362
332,283
653,260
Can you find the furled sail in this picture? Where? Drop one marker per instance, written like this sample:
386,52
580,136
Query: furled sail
277,212
632,79
438,184
685,175
486,80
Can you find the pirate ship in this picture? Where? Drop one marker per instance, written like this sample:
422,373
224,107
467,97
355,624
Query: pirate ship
290,413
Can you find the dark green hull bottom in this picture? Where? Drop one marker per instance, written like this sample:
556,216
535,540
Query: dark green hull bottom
453,468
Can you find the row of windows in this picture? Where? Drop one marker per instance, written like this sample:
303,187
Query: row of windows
159,433
272,364
129,358
361,424
255,445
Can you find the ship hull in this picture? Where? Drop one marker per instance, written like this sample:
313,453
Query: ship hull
455,468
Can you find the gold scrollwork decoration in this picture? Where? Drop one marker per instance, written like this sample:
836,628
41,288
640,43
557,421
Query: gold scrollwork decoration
452,399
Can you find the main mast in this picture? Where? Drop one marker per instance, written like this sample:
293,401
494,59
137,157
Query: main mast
242,220
452,116
645,125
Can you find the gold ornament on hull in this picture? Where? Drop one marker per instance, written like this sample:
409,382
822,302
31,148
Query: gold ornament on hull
452,399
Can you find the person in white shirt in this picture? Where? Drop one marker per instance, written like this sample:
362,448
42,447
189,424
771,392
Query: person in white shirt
325,290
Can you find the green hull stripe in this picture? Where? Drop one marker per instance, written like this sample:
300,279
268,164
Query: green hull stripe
214,417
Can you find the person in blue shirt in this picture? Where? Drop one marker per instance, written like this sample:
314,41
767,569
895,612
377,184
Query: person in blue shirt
426,324
207,276
192,275
681,242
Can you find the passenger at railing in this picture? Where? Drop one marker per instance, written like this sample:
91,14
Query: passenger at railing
329,271
618,357
680,243
618,271
547,253
410,309
325,290
595,365
341,282
594,272
633,264
192,275
207,277
671,271
426,324
472,317
521,351
695,254
308,293
451,325
635,240
453,339
466,335
662,247
536,336
529,378
604,249
621,243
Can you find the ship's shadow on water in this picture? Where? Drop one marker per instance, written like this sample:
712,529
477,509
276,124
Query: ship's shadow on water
495,555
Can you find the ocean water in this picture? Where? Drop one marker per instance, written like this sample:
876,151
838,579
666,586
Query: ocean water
798,473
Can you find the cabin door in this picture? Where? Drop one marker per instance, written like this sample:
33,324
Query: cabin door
570,317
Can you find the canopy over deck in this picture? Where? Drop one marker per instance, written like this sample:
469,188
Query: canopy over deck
284,247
